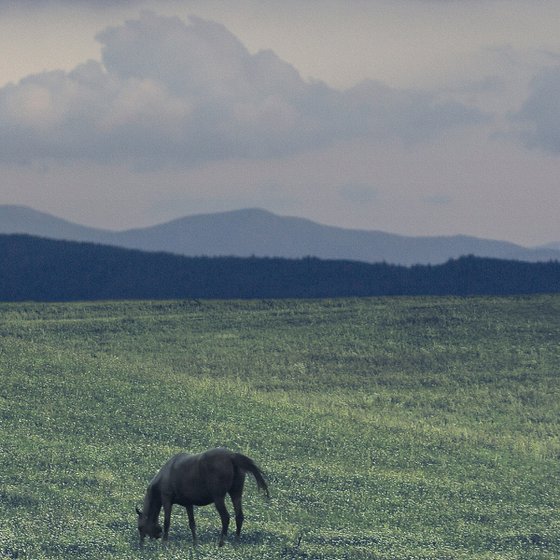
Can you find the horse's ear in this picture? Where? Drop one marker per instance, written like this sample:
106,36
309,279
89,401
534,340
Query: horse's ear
138,512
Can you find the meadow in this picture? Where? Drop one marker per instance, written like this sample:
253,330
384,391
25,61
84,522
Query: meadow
388,428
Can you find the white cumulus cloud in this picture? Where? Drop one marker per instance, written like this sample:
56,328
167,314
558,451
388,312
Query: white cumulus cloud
166,91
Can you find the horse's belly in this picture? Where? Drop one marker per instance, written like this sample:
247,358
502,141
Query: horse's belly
193,500
204,502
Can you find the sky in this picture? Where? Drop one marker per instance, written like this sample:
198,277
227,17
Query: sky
417,117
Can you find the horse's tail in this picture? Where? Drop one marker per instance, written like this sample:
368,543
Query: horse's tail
248,465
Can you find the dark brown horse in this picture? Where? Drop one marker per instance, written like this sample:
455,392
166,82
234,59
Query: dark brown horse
197,480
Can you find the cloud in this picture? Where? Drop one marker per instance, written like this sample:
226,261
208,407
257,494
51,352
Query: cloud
10,4
358,193
438,199
539,117
166,91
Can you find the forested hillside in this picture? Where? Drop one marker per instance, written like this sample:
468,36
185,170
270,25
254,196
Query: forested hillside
38,269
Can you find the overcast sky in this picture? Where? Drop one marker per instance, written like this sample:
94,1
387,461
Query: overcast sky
420,117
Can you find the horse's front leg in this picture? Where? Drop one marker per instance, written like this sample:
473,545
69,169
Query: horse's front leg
224,516
192,524
167,505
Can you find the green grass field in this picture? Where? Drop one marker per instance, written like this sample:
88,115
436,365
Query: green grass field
397,428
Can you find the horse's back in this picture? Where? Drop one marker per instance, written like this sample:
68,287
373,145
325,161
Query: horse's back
217,468
213,460
198,479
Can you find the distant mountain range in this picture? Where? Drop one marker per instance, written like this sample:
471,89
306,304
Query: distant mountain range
255,232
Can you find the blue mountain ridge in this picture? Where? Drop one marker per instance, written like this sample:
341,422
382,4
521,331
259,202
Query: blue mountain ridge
256,232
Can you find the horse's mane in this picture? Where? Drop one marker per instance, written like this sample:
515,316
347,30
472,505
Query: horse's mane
152,502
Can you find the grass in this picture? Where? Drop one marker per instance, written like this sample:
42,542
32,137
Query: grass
392,428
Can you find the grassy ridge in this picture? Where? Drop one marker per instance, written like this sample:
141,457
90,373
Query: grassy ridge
389,428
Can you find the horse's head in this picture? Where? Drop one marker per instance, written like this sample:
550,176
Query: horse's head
146,527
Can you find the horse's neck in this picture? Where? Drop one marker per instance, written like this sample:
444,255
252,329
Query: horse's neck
152,503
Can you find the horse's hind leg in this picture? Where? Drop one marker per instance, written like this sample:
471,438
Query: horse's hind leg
224,516
236,500
235,495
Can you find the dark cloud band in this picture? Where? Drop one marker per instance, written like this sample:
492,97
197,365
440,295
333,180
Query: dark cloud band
539,117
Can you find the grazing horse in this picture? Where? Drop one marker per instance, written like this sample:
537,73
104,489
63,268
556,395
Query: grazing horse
197,480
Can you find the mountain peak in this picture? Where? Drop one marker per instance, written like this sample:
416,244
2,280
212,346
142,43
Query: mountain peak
22,219
258,232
